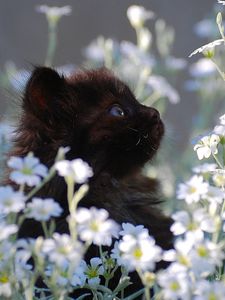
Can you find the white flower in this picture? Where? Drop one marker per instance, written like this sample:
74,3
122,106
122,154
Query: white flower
6,131
222,119
140,253
145,39
205,256
93,271
43,209
160,85
220,130
214,194
11,201
221,2
5,287
6,230
77,169
62,250
210,290
175,283
27,170
193,190
138,15
206,28
197,222
207,146
93,226
202,68
205,168
54,13
208,46
180,254
78,278
175,64
130,230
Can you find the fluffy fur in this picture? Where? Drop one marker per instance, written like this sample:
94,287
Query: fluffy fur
98,117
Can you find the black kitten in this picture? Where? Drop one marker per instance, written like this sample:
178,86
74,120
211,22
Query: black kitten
98,117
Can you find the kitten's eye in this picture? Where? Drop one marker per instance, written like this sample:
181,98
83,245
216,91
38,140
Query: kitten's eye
116,111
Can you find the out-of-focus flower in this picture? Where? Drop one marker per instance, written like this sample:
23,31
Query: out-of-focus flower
66,70
11,201
62,250
27,170
214,194
93,271
76,169
93,226
160,85
6,230
210,290
175,64
43,209
202,68
54,13
138,15
220,129
219,179
205,256
193,190
205,168
180,254
221,2
5,287
145,38
175,283
206,28
206,47
197,222
131,231
95,51
207,146
6,131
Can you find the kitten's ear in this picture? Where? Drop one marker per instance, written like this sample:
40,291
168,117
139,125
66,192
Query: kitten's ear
43,91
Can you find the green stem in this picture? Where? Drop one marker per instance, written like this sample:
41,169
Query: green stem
45,229
217,161
218,69
52,42
51,174
70,192
147,293
154,97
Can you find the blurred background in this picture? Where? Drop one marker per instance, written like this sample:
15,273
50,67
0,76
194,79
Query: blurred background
98,32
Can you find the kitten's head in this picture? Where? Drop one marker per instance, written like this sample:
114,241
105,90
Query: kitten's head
95,114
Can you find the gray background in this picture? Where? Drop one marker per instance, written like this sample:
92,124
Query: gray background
23,37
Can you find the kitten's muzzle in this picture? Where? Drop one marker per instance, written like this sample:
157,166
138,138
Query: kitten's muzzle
151,114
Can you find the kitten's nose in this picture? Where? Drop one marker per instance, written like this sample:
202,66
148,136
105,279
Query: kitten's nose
151,113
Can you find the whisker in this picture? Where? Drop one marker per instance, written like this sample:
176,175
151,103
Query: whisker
138,142
132,129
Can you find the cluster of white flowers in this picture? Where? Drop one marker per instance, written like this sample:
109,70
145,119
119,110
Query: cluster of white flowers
136,250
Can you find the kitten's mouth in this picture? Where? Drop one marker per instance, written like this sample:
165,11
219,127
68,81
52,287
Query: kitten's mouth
146,140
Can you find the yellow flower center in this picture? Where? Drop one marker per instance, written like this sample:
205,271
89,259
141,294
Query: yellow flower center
183,260
94,226
26,171
174,286
202,251
4,279
137,253
192,226
192,190
212,296
92,273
